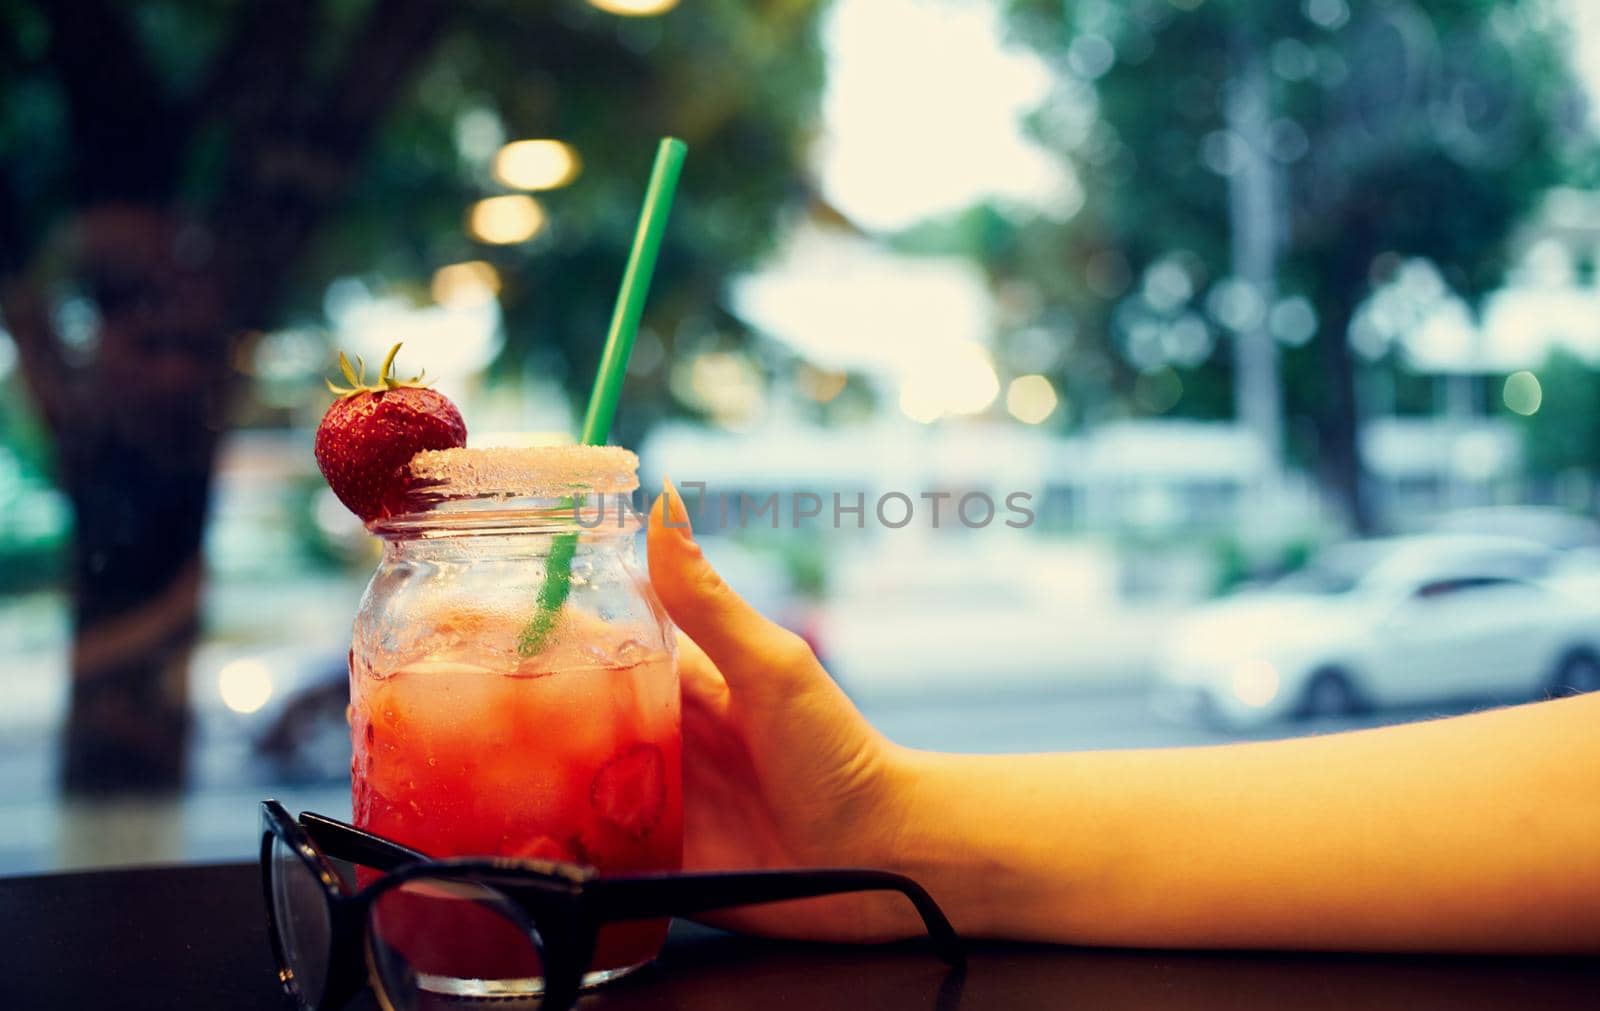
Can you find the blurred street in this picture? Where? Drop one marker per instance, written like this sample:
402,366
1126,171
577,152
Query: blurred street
940,662
217,820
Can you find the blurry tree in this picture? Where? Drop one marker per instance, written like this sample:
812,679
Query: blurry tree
179,176
1253,166
1563,435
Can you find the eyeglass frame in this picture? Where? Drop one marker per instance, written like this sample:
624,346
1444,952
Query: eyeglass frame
545,891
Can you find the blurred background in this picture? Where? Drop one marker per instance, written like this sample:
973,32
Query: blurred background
1285,313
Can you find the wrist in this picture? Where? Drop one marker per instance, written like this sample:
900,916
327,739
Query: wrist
934,841
1015,847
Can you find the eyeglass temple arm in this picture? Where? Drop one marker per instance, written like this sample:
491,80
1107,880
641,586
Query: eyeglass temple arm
647,896
346,842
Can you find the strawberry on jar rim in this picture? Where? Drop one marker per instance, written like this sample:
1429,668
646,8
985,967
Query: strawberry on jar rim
370,433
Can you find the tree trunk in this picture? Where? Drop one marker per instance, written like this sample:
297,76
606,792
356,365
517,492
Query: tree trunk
136,570
1338,424
137,426
1255,231
138,400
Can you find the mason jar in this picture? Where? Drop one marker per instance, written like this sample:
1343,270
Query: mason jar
514,692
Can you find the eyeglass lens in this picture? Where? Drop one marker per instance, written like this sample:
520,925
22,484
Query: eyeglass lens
433,939
305,931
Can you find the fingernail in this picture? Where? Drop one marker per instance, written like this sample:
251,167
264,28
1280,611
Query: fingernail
676,515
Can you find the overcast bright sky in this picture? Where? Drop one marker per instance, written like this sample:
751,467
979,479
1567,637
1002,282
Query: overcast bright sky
922,112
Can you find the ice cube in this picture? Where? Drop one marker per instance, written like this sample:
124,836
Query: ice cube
629,652
596,653
611,654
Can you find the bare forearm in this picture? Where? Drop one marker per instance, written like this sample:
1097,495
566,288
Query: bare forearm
1471,834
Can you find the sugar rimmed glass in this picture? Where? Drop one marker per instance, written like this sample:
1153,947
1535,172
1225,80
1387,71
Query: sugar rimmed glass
466,745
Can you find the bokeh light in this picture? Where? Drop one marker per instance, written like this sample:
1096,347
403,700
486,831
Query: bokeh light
961,380
1255,683
1031,399
729,386
460,285
919,406
537,164
1158,390
1522,393
634,8
821,385
245,685
506,220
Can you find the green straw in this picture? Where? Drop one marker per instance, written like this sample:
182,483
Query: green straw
613,369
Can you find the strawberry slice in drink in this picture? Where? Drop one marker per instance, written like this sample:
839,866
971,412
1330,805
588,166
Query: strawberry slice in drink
630,790
545,848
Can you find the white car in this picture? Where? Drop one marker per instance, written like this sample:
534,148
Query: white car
1377,623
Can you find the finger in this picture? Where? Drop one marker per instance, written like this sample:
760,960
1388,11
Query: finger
749,650
702,682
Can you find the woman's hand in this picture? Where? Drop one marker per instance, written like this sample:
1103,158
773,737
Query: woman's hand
779,769
1464,834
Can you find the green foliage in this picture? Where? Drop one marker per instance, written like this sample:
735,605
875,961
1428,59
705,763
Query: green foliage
738,81
1564,434
1419,129
32,534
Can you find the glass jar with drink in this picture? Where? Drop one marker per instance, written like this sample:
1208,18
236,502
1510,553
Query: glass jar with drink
513,692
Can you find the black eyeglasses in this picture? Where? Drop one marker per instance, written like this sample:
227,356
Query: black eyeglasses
487,927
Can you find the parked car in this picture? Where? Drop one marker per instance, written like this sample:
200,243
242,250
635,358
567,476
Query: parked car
286,701
1547,525
1402,621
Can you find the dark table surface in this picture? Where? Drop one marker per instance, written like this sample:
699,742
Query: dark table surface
195,937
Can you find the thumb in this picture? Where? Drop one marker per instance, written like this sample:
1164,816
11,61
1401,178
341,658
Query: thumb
749,650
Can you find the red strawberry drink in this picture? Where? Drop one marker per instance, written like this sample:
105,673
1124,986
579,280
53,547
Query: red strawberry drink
468,740
492,716
572,755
